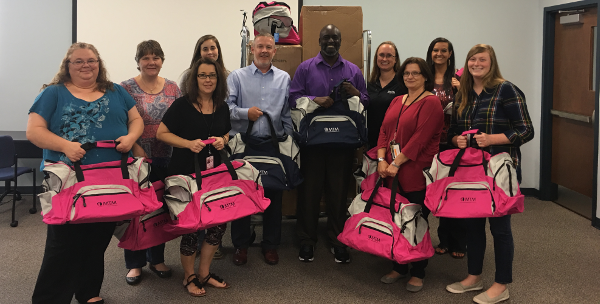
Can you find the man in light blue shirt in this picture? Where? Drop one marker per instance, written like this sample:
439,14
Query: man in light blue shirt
254,90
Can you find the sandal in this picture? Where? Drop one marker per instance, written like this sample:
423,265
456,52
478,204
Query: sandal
441,250
216,278
197,283
457,254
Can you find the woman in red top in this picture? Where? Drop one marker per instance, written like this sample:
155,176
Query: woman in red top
411,130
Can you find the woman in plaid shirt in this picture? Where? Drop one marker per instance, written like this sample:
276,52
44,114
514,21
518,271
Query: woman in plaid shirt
497,109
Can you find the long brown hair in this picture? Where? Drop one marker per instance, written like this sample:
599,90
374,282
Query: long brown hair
451,61
220,93
490,80
376,72
62,76
198,50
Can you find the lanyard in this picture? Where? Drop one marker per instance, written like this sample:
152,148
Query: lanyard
206,123
401,111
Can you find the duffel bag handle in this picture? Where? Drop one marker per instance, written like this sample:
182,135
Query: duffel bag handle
101,144
224,159
372,197
274,139
396,188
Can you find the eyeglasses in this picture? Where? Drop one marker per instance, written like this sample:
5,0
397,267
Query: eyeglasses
204,76
414,74
79,62
385,56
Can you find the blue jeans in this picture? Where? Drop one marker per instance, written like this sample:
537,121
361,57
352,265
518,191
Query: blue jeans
504,247
137,259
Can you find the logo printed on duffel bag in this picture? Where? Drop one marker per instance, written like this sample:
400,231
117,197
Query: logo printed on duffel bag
468,199
374,239
332,130
227,205
160,223
107,203
263,172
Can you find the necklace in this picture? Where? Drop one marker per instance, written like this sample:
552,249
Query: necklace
147,86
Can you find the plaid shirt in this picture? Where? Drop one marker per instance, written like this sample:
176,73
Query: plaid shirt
499,110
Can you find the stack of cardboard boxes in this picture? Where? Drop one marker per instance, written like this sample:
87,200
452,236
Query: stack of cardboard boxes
288,57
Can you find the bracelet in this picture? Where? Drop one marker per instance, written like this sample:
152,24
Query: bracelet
224,140
394,164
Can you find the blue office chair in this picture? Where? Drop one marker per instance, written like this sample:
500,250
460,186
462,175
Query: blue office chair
8,173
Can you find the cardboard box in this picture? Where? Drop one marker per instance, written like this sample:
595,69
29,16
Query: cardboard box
287,58
349,19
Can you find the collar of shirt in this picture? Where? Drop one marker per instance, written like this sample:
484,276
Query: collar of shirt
255,69
320,60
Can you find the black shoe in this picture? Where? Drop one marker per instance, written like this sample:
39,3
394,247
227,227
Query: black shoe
161,274
307,253
341,255
133,280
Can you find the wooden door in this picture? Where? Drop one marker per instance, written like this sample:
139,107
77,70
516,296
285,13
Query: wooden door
573,104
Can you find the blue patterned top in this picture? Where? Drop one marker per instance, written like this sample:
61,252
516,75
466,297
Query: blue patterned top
78,120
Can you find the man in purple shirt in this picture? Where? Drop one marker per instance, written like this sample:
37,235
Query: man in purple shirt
325,168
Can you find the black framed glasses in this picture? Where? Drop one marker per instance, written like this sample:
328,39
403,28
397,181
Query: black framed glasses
413,73
210,76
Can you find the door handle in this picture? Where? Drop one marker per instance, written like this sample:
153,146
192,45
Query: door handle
594,117
572,116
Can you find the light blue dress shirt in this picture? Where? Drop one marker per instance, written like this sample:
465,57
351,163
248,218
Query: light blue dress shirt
249,87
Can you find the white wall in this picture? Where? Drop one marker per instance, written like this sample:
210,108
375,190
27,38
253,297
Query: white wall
34,36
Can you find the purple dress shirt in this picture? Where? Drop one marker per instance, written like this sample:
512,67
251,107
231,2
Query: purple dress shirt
315,78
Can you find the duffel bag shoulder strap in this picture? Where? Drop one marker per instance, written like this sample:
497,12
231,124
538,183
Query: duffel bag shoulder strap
274,139
372,197
224,159
101,144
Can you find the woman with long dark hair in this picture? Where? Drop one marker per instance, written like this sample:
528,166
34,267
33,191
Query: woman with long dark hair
440,57
199,115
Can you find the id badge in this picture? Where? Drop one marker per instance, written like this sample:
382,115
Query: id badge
210,162
394,150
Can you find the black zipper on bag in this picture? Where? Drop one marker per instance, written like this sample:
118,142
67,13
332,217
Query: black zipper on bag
232,195
76,197
363,225
474,189
509,180
408,222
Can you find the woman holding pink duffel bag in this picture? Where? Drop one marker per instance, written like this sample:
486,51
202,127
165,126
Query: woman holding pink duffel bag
408,140
497,108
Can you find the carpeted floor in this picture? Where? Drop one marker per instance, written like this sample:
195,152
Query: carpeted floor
557,260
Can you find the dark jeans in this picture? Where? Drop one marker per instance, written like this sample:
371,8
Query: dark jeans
73,263
418,268
240,229
137,259
452,233
326,170
504,248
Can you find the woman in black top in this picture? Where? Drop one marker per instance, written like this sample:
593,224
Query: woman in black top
201,114
383,86
440,57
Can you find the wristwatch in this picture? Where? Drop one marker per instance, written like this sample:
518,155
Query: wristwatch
394,164
380,159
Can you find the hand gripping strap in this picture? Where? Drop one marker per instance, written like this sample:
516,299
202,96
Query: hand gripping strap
274,139
224,159
101,144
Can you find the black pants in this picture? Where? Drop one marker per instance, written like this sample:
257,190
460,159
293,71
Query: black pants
504,247
452,233
137,259
73,263
323,170
240,229
418,268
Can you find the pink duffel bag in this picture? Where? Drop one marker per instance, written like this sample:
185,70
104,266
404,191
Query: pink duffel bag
147,231
231,191
469,183
105,192
390,228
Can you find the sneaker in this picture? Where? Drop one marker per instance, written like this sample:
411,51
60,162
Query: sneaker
341,255
307,253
